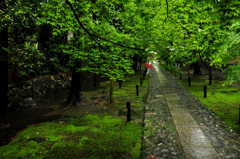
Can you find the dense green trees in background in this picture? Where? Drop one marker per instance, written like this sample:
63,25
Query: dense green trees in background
198,31
109,37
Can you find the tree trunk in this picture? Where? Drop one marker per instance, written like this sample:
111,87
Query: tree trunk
135,62
140,63
44,40
4,75
189,72
120,83
75,88
210,75
196,69
45,33
95,84
111,90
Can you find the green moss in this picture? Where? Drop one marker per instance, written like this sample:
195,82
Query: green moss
104,136
74,129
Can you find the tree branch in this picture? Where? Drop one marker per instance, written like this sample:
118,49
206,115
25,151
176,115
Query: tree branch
129,47
167,7
179,24
93,35
82,26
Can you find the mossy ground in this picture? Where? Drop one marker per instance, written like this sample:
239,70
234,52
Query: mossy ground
222,100
100,131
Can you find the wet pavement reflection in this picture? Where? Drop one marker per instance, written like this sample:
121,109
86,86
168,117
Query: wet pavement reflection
194,142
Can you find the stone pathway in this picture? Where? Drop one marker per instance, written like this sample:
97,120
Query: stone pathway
194,142
188,136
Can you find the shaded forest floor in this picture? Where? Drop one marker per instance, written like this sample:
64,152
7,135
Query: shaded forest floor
93,128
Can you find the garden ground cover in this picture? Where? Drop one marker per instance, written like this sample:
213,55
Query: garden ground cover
99,131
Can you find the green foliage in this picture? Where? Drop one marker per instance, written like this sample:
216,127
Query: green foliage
110,60
101,18
29,62
191,31
178,31
233,74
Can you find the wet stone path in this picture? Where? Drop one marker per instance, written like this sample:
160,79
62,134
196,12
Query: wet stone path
177,125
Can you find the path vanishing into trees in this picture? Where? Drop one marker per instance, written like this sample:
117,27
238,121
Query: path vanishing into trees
176,126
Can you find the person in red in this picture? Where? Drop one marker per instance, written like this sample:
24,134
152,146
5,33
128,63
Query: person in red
148,66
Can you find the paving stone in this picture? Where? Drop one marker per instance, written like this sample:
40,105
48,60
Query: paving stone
161,96
175,103
184,120
193,137
167,90
178,110
200,153
171,96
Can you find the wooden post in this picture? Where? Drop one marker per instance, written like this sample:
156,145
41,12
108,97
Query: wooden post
111,90
137,90
141,81
205,91
189,81
128,112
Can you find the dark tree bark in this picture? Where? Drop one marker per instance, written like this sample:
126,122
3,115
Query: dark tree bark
210,75
75,88
120,83
4,75
196,69
111,90
95,81
45,32
135,62
207,64
44,39
189,74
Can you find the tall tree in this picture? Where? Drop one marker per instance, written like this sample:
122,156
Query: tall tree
3,68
